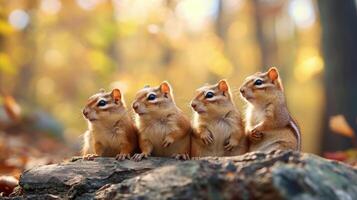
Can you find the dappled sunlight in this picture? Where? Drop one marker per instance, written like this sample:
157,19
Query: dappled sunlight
302,12
19,19
51,7
309,63
197,14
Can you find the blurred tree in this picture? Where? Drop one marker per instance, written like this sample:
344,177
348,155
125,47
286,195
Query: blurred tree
28,66
339,31
220,27
264,15
1,47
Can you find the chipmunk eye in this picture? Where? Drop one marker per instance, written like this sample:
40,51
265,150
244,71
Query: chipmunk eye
101,103
258,82
151,97
209,95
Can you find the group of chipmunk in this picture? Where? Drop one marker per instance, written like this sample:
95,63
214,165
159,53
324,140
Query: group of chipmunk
162,129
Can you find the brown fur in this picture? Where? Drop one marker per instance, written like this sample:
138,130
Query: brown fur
218,126
163,128
269,125
111,131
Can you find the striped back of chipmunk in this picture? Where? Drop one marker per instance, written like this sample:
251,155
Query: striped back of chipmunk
297,133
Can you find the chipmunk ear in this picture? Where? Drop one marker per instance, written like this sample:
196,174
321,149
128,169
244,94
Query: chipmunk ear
273,73
223,85
116,94
165,87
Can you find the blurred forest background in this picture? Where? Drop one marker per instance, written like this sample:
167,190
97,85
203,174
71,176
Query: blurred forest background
54,54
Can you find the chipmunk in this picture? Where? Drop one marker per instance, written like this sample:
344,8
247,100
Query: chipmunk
111,131
218,125
163,128
269,125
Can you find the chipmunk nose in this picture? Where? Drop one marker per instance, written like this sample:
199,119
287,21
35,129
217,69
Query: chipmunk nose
85,112
242,91
193,105
135,105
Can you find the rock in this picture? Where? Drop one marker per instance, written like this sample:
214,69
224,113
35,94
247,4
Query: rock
74,178
275,175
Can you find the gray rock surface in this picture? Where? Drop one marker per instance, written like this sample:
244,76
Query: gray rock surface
275,175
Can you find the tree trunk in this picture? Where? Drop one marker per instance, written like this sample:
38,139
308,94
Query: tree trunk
265,33
339,38
220,27
23,87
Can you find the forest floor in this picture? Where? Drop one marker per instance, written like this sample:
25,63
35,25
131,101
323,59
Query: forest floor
22,151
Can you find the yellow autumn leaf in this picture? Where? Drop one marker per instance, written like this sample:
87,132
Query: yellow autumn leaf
339,125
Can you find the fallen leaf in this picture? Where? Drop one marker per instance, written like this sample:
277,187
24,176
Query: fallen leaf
12,108
340,156
7,184
339,125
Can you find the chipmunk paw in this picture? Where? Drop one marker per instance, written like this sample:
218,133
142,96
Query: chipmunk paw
139,156
122,156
